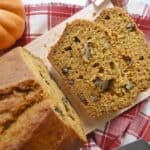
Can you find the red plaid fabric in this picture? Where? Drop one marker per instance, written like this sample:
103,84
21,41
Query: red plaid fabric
42,17
129,126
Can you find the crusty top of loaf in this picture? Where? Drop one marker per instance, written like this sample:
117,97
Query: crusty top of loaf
18,88
13,63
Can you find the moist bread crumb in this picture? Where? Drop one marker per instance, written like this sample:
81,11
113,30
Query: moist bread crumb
93,66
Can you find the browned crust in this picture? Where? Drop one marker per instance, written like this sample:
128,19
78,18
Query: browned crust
45,131
42,127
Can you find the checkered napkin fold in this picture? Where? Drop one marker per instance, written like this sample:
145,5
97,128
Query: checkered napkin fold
129,126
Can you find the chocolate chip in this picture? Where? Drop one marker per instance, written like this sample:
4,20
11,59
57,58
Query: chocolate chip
131,27
127,59
76,39
97,81
71,82
141,58
129,86
58,110
83,100
68,48
65,71
107,17
107,85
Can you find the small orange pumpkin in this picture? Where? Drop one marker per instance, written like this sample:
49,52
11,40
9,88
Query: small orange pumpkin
12,22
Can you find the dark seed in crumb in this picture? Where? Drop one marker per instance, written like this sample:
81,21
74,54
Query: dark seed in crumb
66,103
71,82
65,100
80,77
130,26
83,100
141,58
129,86
112,65
41,75
97,81
94,98
101,70
65,71
95,65
107,85
76,39
68,48
87,54
59,111
107,17
47,82
127,59
88,38
90,44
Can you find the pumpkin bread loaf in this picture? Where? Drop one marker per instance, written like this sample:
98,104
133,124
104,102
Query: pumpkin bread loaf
34,113
101,75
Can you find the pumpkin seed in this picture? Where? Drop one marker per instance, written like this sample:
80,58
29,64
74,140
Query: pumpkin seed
131,27
97,81
59,111
106,45
66,103
76,39
65,71
127,59
71,82
129,86
68,48
83,100
107,85
107,17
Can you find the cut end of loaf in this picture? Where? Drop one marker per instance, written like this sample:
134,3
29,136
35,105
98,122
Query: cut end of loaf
97,69
28,92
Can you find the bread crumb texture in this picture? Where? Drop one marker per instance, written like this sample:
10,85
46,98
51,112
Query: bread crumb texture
105,63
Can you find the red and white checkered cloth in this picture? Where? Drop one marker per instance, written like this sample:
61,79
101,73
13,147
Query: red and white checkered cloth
131,125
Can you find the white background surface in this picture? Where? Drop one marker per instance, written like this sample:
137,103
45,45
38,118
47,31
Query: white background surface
77,2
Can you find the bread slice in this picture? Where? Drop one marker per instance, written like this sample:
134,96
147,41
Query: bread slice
131,39
34,113
98,74
129,36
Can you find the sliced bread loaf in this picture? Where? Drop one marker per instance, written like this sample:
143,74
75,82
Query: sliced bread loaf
98,74
34,113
